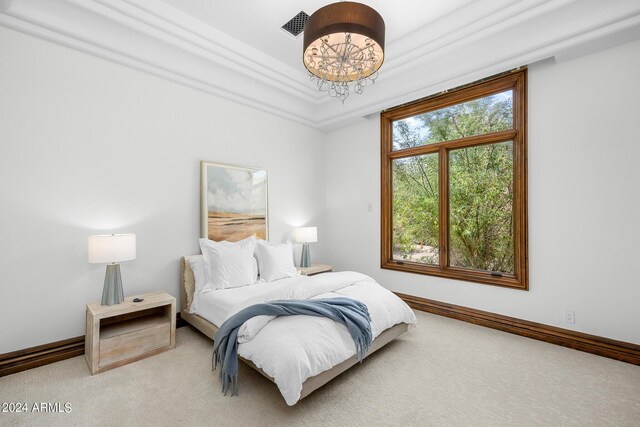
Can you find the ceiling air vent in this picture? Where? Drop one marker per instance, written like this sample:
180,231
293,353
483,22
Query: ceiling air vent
296,24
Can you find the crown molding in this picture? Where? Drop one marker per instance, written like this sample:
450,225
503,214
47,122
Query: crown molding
469,59
93,28
452,32
482,38
173,26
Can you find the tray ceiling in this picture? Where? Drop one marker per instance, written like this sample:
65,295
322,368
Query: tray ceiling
238,51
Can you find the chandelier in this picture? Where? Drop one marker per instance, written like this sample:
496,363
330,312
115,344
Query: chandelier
343,43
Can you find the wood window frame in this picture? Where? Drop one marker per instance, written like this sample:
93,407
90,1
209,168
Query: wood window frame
515,81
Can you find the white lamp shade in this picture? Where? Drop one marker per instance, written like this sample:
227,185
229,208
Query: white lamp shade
306,234
107,248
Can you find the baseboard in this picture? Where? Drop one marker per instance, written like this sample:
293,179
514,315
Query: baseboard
28,358
613,349
180,322
21,360
32,357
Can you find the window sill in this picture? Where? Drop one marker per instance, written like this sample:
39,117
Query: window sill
483,277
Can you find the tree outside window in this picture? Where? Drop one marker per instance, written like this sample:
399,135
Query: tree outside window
454,184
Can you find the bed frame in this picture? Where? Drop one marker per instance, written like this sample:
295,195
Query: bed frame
187,287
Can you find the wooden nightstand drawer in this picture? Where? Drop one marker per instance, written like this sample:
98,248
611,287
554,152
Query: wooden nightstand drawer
131,344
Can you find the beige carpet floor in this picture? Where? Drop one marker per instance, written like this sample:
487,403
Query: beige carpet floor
444,372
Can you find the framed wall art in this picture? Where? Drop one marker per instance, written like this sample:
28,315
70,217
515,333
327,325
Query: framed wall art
233,202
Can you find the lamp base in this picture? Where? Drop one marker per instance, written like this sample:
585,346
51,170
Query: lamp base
305,259
112,291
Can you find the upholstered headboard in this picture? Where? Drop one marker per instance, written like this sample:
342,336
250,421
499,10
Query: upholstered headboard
187,282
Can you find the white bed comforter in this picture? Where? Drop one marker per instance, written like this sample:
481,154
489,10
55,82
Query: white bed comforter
291,349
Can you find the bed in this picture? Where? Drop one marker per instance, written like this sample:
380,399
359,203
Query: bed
211,309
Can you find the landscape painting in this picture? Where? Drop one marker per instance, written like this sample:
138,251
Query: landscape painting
234,202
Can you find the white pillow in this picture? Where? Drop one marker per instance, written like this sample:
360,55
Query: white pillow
197,267
227,264
275,261
256,271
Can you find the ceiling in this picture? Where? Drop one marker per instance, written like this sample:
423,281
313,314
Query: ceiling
237,50
259,26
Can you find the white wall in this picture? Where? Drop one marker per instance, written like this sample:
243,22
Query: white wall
87,146
583,202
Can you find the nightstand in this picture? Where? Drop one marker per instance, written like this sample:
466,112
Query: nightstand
123,333
315,269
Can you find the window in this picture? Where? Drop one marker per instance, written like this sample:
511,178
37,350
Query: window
454,184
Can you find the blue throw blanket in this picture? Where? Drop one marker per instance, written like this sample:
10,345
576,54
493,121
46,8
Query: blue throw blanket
351,313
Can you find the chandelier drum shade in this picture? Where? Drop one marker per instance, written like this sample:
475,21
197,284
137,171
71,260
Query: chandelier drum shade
343,43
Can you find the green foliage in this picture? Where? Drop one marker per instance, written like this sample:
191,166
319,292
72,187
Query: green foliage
415,204
475,117
480,207
480,188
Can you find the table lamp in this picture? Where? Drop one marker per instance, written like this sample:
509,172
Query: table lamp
111,249
306,235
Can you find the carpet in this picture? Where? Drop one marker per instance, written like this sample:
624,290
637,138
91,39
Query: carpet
443,372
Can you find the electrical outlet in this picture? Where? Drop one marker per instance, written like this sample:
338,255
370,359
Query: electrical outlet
369,207
569,316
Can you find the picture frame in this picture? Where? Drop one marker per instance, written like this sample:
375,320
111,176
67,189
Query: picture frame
234,202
